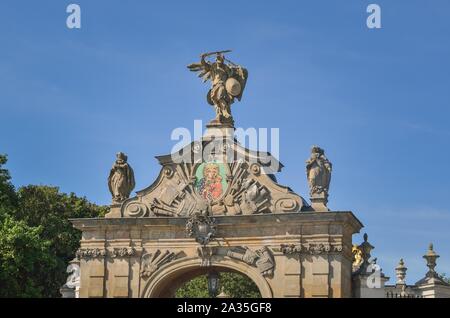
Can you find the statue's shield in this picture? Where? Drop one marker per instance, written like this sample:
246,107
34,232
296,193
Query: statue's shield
233,87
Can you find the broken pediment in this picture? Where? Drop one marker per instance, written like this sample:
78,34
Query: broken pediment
215,176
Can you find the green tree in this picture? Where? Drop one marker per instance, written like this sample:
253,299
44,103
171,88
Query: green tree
234,285
8,197
25,259
195,288
238,286
46,207
40,214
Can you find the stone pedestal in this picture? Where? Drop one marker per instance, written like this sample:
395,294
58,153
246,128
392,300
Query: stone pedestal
302,254
67,292
319,202
114,211
218,132
433,290
366,286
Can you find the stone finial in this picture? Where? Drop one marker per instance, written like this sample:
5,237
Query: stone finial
318,171
400,272
121,179
361,256
431,257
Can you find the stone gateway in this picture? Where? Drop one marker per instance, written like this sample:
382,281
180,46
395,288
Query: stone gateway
216,206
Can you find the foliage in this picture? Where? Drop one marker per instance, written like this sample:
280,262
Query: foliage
238,286
233,285
195,288
35,229
25,259
37,241
8,197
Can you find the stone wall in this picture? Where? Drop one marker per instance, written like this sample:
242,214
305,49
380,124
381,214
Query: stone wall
303,254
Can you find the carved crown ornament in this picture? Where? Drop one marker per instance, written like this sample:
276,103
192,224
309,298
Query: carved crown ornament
214,177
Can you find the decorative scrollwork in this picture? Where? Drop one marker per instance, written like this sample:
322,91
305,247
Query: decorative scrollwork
168,172
286,205
217,187
135,209
255,169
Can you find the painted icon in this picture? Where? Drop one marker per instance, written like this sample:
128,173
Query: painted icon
211,181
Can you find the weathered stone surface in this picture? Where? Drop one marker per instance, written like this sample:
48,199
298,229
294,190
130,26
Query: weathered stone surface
318,171
155,265
121,179
235,181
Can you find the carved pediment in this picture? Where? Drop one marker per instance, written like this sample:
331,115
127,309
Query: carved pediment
215,176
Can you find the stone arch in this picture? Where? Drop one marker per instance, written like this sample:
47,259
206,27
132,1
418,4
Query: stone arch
166,280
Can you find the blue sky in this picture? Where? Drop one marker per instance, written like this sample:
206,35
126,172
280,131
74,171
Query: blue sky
376,100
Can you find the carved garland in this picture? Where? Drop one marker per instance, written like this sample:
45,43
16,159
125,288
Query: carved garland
93,253
90,253
123,252
313,248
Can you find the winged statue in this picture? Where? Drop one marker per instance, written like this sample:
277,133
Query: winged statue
227,84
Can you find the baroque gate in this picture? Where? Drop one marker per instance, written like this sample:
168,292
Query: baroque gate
217,205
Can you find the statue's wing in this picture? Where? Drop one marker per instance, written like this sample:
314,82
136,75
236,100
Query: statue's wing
204,72
241,74
111,173
130,179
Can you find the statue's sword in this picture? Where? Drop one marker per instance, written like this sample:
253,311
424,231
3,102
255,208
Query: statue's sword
217,52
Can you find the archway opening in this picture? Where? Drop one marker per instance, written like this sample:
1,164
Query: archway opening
232,284
192,282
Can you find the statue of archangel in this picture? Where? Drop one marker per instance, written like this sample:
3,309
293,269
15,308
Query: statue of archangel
227,84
